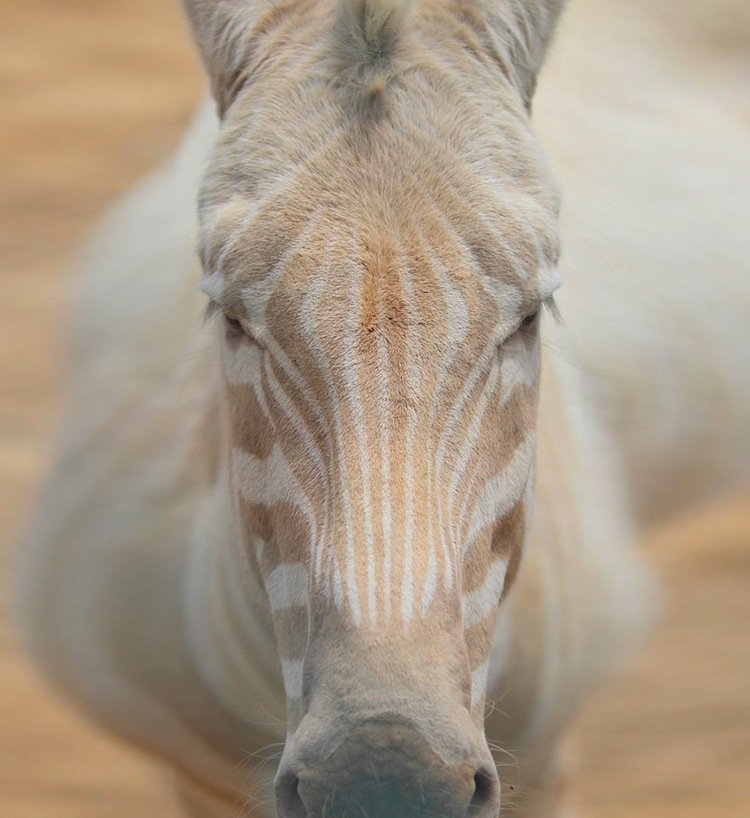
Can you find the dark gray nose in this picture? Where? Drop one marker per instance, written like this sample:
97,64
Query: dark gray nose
386,769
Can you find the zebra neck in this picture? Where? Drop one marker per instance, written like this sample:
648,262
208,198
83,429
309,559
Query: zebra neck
229,628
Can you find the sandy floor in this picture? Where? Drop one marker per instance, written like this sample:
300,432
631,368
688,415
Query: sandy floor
94,92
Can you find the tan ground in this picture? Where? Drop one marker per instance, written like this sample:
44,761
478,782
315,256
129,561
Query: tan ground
93,92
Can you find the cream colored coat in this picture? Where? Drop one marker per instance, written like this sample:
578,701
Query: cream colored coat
644,407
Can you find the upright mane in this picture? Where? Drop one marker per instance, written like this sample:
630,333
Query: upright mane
368,35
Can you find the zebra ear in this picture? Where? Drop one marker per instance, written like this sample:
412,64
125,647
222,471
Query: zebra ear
223,31
520,32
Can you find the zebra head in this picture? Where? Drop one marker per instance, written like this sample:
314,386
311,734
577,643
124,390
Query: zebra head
378,237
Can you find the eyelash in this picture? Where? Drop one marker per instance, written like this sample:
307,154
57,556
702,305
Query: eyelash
212,310
530,320
548,304
232,326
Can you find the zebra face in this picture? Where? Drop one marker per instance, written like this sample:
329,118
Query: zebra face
381,392
381,382
377,276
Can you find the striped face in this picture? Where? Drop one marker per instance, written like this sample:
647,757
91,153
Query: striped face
377,295
381,392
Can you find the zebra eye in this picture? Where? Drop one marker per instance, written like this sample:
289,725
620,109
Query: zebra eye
237,332
234,328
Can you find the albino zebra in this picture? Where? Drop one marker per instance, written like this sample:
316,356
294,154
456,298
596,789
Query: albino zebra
296,550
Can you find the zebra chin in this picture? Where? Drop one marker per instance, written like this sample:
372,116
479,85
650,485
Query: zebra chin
384,726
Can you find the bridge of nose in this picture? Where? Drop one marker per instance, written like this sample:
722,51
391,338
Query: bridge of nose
355,674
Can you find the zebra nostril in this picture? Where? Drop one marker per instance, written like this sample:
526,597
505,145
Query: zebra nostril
384,767
290,803
485,802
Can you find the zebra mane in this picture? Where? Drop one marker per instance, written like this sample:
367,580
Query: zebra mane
372,26
368,33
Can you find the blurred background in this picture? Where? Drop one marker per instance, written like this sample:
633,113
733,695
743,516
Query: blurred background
96,92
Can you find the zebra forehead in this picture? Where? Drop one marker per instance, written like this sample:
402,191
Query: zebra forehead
435,270
250,249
